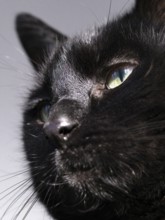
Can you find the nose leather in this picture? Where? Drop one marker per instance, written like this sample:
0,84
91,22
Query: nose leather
60,127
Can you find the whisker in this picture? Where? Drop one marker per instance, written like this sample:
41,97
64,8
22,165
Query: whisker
24,205
6,65
16,199
90,10
27,202
124,6
47,196
8,42
149,126
5,58
109,12
13,175
16,184
30,208
18,188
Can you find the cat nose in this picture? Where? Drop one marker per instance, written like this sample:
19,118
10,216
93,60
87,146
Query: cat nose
61,128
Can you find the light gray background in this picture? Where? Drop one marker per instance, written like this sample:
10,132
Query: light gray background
70,17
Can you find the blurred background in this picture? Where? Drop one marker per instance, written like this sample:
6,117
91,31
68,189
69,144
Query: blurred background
16,77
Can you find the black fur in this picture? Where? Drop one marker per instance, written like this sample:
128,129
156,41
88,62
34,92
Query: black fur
112,166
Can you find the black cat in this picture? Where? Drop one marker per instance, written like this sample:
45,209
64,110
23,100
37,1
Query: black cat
94,125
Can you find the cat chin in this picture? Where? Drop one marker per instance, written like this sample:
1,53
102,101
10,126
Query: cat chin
87,184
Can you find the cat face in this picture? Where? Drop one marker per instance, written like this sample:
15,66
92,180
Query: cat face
93,126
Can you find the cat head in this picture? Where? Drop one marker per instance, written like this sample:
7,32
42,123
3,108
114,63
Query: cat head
93,126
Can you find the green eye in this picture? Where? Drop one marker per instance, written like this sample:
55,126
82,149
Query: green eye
118,76
44,112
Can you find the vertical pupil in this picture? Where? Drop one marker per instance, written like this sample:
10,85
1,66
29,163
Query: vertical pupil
121,74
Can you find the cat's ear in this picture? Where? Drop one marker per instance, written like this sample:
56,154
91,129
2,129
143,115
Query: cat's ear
151,9
37,38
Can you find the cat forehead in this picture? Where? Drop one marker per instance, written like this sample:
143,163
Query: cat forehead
99,46
86,54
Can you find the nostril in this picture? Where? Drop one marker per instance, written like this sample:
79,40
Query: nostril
61,128
66,130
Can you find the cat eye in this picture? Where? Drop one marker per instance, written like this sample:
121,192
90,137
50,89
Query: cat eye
44,112
119,75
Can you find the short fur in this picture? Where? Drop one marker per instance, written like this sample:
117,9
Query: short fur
112,166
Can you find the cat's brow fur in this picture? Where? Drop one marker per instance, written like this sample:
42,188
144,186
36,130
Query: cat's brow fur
113,165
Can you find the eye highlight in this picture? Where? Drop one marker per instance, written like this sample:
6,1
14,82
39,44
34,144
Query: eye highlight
119,75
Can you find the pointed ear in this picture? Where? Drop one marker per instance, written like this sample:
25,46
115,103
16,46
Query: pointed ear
151,9
37,38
